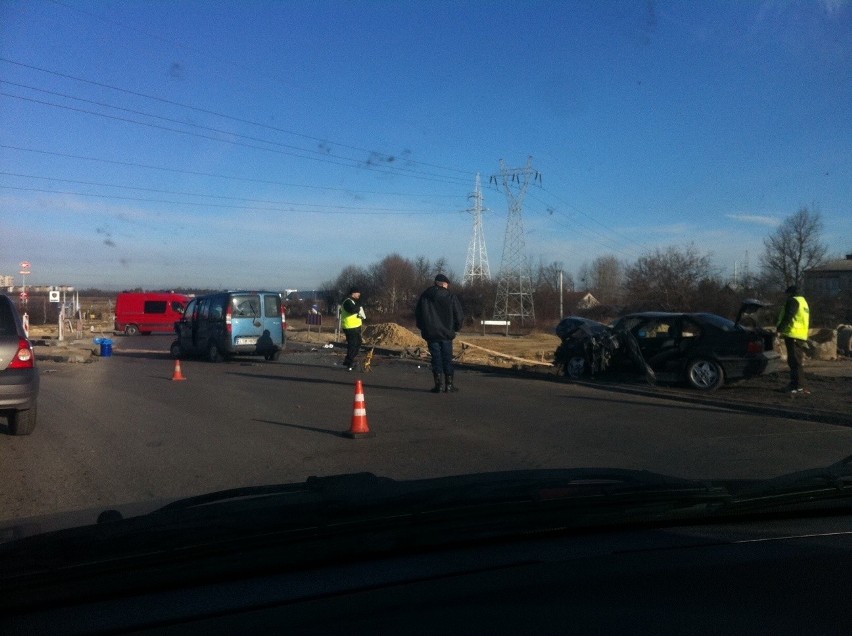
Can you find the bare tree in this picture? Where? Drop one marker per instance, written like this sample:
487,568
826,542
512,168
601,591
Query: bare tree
669,280
604,277
793,248
351,276
547,288
395,283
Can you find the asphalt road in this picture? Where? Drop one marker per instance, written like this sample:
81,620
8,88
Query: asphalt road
122,430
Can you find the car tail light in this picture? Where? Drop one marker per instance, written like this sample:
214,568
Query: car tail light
754,346
24,358
228,316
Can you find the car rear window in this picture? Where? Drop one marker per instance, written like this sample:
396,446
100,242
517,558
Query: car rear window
7,320
246,306
719,322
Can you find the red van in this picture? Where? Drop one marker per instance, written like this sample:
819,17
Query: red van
148,312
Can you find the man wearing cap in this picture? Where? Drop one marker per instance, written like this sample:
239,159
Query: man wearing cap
439,316
351,319
793,323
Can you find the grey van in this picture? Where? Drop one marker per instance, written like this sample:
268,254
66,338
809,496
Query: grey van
231,323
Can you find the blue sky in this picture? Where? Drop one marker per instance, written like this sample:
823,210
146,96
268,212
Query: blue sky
270,144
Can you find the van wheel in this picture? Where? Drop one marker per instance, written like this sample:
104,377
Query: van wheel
213,353
131,330
175,350
22,422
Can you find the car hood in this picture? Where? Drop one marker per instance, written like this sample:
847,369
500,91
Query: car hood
594,496
346,518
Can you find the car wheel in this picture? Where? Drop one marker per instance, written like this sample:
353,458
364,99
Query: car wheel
275,355
22,422
213,353
704,374
175,350
575,367
131,330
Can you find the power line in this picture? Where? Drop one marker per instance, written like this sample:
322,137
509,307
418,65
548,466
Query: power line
197,194
131,164
324,209
348,163
382,155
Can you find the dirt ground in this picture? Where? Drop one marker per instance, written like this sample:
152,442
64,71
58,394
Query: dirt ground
535,349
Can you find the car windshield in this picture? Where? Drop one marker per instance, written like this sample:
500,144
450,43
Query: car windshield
377,215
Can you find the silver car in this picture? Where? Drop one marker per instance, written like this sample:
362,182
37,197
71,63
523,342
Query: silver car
18,373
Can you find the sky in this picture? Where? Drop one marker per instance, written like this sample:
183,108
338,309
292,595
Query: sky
212,144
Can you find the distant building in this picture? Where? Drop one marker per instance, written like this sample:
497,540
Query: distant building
579,300
830,279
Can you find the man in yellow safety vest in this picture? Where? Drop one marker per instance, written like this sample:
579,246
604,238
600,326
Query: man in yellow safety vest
351,319
793,324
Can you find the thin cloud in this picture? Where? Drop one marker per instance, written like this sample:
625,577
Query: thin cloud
755,219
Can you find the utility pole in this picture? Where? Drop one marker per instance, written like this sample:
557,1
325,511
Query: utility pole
514,285
476,266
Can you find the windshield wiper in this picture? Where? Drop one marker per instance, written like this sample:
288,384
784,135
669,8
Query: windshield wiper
832,482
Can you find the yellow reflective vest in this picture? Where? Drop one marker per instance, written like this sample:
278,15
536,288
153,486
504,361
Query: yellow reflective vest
796,326
349,320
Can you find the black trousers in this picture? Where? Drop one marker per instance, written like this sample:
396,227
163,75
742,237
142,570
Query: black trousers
353,345
794,360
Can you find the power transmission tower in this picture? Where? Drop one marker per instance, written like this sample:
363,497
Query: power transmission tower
476,267
514,283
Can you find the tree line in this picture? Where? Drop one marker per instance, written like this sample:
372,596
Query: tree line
675,278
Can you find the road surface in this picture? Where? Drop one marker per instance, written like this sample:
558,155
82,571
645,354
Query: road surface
121,430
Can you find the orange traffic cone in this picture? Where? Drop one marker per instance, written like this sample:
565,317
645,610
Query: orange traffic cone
177,374
359,426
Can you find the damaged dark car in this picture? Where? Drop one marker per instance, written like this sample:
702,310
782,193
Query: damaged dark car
702,350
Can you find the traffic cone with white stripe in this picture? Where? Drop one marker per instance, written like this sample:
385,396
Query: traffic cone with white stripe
177,374
359,426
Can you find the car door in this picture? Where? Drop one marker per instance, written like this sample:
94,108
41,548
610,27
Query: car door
272,321
657,339
186,327
246,319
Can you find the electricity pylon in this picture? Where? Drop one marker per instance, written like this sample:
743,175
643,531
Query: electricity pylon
476,268
514,283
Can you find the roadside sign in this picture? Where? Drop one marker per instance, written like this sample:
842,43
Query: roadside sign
53,296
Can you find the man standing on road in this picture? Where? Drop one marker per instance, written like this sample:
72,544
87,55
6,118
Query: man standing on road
351,319
793,323
439,316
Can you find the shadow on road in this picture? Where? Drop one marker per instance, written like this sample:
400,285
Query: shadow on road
311,429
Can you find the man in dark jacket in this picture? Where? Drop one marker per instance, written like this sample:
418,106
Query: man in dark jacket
439,316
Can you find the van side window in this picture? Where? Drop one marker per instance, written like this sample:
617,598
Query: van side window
155,307
217,308
178,307
271,306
